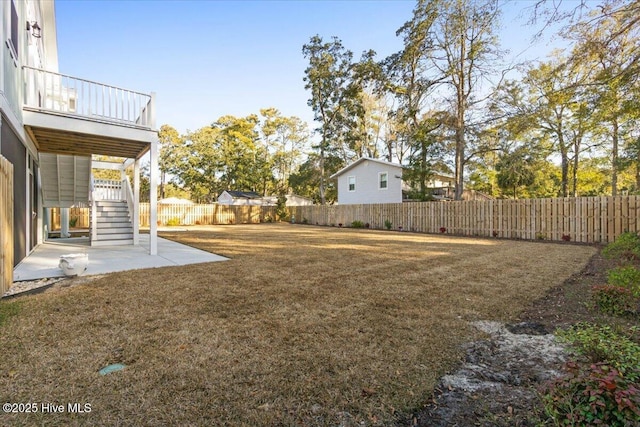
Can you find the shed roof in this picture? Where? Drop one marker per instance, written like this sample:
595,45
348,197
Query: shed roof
244,194
362,160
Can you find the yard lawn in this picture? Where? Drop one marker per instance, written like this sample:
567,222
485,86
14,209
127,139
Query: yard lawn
303,326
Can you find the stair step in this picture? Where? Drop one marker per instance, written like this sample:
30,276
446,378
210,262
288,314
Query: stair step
111,202
114,230
112,209
114,236
113,214
119,224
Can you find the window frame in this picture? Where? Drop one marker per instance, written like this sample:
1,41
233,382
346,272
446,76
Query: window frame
349,183
14,32
386,181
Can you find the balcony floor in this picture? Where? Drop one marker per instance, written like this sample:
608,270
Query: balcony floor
43,261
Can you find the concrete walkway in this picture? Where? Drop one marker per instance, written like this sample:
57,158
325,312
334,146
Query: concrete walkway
43,261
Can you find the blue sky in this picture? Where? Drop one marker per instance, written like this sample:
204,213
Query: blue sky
205,59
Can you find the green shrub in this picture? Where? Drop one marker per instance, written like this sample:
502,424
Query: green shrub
626,277
173,222
614,300
601,344
387,224
282,213
625,247
357,224
595,394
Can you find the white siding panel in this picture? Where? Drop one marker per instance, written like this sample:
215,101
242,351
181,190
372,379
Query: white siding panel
367,183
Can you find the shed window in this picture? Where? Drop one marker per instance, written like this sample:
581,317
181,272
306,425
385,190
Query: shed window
352,183
383,180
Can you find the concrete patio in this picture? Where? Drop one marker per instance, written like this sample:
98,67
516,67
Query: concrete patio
43,261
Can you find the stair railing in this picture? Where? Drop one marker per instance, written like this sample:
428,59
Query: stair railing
131,205
94,210
109,189
128,195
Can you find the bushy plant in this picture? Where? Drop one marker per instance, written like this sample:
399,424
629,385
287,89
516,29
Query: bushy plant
601,344
626,277
282,213
357,224
443,229
305,220
566,237
172,222
625,247
387,224
614,300
593,394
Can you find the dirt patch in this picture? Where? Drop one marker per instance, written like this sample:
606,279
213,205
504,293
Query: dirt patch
497,383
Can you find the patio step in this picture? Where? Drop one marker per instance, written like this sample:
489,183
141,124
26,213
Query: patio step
113,224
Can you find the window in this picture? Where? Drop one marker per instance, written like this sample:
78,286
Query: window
383,180
13,41
352,183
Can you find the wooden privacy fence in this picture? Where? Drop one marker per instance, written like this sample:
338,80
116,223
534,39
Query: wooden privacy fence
6,225
581,219
179,215
211,214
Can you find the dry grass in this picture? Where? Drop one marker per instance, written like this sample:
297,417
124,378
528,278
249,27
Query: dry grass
304,326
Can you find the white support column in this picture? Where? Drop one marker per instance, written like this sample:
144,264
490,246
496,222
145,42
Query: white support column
136,203
153,198
64,222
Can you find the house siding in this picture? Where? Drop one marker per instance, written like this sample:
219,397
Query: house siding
12,149
367,189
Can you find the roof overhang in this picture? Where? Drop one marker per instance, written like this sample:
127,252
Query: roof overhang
73,136
362,160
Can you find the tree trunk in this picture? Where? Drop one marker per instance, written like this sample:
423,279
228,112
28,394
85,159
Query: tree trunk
322,196
564,165
614,157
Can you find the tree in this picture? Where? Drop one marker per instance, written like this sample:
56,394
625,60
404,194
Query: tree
556,111
465,36
515,170
411,78
170,141
329,78
306,180
284,139
609,48
241,162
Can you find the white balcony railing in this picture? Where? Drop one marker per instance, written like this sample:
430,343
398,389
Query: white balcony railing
61,94
107,189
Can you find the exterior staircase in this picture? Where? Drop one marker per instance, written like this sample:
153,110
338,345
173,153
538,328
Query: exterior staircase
113,225
65,179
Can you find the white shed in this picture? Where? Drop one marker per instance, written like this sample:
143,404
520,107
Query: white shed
368,181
